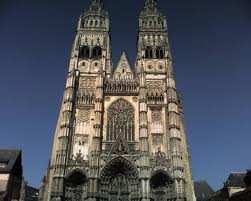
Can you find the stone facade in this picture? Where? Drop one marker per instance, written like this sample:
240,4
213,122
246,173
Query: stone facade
120,134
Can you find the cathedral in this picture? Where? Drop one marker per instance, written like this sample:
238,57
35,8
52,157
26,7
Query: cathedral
120,134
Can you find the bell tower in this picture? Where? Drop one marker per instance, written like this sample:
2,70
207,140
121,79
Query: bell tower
166,131
120,133
92,46
77,141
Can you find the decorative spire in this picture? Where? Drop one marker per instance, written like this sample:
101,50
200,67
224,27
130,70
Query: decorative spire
97,5
151,4
151,18
95,17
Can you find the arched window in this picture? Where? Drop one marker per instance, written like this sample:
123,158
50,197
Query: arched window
83,22
97,52
84,52
149,53
159,53
120,120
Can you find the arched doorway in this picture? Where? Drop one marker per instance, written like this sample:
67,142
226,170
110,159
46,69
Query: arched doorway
161,186
75,186
119,181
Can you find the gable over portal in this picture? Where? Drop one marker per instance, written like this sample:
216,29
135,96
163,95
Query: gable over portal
123,69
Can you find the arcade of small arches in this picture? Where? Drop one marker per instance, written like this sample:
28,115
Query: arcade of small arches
87,52
153,24
118,180
93,23
154,52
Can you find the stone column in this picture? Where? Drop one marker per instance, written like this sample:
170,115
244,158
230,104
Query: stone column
175,140
63,138
143,137
96,139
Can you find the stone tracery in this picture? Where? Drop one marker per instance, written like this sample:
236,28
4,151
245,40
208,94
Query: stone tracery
119,181
75,186
120,119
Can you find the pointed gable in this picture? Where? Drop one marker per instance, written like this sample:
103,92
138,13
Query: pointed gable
123,69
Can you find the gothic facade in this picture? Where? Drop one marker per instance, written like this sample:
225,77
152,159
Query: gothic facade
120,134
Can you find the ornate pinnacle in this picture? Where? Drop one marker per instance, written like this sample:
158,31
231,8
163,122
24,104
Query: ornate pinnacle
97,5
151,4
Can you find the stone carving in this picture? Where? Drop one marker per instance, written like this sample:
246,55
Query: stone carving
157,116
78,159
157,126
121,86
135,99
119,178
81,146
83,116
120,146
155,91
75,186
155,86
108,98
157,139
120,120
86,93
160,157
87,83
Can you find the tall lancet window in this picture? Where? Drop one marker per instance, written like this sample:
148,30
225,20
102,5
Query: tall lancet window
120,120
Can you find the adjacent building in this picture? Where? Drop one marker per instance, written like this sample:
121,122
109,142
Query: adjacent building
121,132
28,193
244,195
235,183
203,191
11,174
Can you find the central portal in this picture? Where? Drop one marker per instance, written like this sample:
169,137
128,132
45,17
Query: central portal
119,181
120,188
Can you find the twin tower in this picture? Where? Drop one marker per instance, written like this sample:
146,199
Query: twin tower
120,134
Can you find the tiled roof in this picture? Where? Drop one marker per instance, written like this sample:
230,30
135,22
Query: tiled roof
10,160
203,191
236,180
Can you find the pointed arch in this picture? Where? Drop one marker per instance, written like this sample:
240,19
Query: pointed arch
120,118
84,52
159,53
75,185
97,52
162,185
119,165
120,179
149,53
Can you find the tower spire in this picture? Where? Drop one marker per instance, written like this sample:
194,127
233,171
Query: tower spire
151,4
97,5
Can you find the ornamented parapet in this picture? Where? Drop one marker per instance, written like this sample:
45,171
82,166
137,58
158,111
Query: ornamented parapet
121,87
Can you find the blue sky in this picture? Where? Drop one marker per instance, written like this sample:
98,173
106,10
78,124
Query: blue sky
211,46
